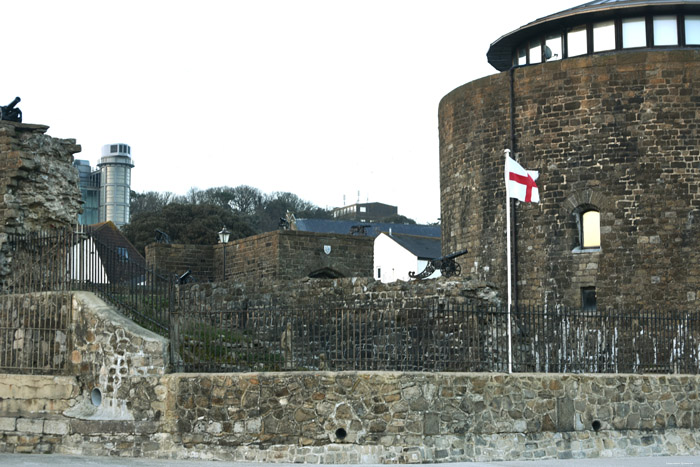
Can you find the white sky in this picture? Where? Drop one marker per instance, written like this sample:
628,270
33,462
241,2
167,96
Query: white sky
321,98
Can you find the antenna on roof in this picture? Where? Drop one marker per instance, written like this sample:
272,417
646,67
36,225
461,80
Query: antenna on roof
358,196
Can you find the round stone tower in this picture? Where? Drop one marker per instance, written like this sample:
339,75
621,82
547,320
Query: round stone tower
604,101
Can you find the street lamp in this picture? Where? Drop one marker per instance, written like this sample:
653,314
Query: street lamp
223,238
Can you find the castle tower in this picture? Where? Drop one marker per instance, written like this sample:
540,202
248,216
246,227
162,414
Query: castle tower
115,184
603,100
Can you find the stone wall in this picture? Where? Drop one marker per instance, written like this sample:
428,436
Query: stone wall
114,378
282,255
324,417
308,292
123,361
38,183
178,259
378,417
616,132
287,254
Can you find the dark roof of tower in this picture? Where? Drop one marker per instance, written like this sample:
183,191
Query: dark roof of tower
500,54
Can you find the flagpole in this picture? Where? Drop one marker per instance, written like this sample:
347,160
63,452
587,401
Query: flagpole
508,261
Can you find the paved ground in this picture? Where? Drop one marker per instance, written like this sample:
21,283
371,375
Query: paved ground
37,460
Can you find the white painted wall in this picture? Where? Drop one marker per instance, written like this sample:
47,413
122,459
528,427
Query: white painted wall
394,261
86,264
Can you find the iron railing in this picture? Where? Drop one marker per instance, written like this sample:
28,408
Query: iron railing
212,332
429,335
34,329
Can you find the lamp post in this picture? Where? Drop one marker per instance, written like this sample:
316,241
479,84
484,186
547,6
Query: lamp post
223,238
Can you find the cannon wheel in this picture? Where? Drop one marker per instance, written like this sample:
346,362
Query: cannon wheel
454,270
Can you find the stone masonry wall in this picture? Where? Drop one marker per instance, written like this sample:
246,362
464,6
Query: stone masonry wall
123,361
287,254
616,132
113,381
281,255
381,417
177,259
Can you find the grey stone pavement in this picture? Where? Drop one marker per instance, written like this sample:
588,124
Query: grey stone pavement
37,460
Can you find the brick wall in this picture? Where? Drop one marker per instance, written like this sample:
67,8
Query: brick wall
614,131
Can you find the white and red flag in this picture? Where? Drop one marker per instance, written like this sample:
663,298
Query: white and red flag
520,183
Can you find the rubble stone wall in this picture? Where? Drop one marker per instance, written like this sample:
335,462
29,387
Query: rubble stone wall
379,417
38,183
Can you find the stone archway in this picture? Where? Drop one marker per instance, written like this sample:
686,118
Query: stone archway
326,273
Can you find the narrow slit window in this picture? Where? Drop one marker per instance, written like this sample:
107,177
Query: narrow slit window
589,300
535,52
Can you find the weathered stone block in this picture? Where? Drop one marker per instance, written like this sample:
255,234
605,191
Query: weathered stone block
56,427
30,425
8,423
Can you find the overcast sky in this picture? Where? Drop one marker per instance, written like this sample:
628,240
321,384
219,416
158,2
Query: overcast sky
322,98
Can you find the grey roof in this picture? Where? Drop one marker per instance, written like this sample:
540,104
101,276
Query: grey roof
500,54
372,229
422,247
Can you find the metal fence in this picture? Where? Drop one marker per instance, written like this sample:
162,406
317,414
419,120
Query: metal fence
35,320
213,332
430,335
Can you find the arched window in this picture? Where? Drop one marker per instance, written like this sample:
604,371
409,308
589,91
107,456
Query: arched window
590,229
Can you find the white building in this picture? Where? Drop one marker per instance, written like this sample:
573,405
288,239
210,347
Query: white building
395,255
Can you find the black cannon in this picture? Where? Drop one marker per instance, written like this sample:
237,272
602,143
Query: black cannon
446,264
10,113
162,237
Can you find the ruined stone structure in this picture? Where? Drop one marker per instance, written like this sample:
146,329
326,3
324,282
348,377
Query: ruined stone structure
282,254
38,184
612,129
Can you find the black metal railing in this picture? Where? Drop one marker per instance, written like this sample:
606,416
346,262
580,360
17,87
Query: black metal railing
34,329
215,332
138,292
429,335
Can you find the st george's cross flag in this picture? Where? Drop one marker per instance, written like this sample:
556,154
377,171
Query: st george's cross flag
520,183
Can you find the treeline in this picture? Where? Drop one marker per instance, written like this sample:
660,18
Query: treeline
197,217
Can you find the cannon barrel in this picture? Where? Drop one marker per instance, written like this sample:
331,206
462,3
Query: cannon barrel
454,255
13,103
